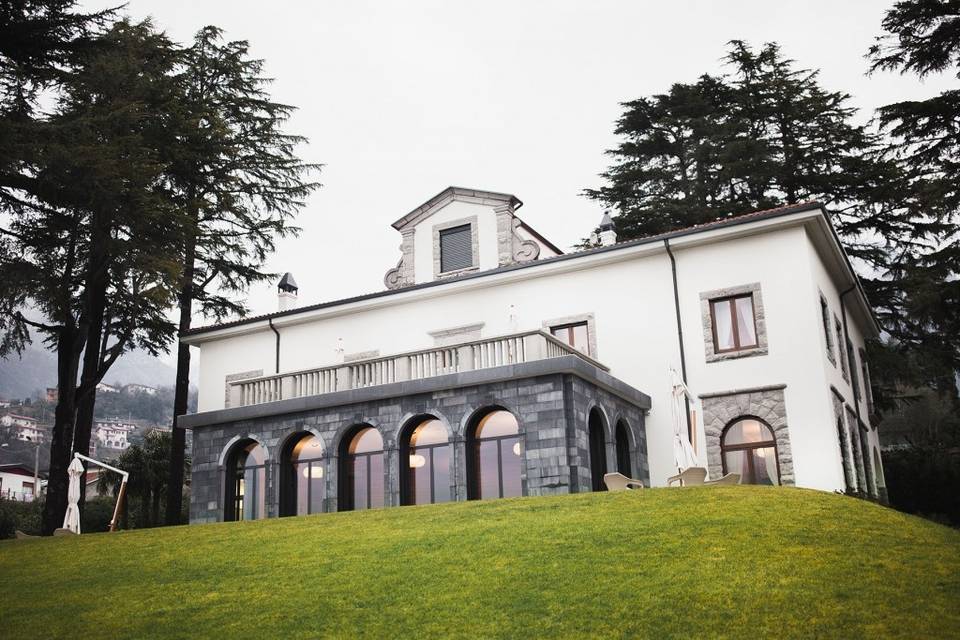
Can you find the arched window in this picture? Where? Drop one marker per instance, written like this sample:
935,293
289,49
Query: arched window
361,470
598,449
749,448
494,456
246,476
623,450
425,463
302,483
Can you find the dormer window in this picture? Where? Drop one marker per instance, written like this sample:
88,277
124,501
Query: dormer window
456,248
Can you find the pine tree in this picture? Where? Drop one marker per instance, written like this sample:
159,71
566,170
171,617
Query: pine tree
87,237
923,37
238,179
763,135
670,166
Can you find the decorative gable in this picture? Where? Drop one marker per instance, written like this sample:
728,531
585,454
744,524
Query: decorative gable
463,230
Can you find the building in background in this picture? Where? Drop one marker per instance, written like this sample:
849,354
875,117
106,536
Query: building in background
139,388
26,428
17,482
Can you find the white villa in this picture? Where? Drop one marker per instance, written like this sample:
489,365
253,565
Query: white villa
26,428
494,364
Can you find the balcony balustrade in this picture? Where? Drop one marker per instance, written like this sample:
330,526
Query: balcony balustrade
414,365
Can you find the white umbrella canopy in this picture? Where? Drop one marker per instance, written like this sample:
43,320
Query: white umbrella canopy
71,520
683,452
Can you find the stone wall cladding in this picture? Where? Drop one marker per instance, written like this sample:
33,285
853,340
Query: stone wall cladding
765,403
551,410
758,314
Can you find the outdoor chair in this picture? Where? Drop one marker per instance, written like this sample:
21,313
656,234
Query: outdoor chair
620,482
689,477
730,478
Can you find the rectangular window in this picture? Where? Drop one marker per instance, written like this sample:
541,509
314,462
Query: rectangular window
575,335
456,248
852,361
734,324
867,389
825,319
840,352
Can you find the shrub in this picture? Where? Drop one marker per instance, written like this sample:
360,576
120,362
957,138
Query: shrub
924,480
95,514
25,516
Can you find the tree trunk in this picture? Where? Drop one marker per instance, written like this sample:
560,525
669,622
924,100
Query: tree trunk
97,281
155,515
178,440
69,344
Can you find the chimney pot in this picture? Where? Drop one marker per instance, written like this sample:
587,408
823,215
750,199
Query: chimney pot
286,292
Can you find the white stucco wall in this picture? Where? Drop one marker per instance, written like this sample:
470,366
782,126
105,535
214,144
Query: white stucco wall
632,302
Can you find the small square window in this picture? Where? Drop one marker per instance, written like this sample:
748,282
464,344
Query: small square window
575,334
734,323
456,248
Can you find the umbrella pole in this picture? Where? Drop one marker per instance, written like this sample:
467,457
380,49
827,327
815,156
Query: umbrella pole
116,509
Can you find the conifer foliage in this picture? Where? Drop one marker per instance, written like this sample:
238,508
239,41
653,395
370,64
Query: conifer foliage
922,37
158,176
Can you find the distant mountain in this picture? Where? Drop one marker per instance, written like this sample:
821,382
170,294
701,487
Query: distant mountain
22,377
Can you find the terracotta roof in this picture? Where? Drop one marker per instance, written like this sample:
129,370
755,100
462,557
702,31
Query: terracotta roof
723,222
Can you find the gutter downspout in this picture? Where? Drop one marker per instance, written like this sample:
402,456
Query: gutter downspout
683,357
274,329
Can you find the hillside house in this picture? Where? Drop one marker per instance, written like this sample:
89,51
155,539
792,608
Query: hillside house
494,364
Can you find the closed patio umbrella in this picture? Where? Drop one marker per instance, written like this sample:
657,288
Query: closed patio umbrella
683,452
71,520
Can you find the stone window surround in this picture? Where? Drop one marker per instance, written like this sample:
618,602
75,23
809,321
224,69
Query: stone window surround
767,403
759,319
589,318
474,241
841,349
828,336
847,458
455,335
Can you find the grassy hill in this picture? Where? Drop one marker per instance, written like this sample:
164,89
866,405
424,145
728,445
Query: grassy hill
686,563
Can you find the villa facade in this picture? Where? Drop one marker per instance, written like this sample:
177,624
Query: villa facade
493,364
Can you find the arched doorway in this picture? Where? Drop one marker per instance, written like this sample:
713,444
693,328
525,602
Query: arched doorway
598,449
302,482
494,455
749,448
245,482
361,469
425,462
624,465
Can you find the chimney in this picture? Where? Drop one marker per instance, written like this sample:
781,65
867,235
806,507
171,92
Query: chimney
286,292
607,235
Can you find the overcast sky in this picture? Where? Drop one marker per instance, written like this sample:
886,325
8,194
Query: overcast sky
401,100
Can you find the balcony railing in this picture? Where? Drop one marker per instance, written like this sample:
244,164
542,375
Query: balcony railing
413,365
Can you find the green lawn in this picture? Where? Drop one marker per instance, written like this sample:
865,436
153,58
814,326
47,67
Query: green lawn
688,563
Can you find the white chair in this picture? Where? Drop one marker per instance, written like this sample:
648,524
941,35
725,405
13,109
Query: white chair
730,478
620,482
689,477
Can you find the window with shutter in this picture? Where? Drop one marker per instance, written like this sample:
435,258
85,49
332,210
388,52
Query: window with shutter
456,248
